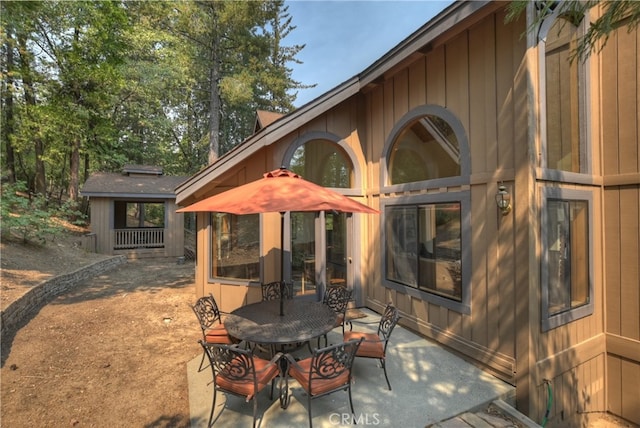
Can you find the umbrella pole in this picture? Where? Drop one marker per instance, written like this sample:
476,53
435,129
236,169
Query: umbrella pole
281,264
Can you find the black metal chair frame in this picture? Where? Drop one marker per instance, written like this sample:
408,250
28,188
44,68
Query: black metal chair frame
326,364
337,297
208,314
272,290
234,363
387,323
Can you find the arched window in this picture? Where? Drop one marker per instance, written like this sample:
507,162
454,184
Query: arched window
427,148
323,162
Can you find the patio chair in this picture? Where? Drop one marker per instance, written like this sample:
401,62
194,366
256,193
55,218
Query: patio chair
209,317
375,344
328,370
337,298
238,372
271,291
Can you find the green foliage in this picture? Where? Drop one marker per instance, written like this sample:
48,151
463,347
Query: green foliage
615,14
26,217
70,211
90,86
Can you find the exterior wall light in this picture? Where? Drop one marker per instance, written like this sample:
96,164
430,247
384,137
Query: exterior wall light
503,200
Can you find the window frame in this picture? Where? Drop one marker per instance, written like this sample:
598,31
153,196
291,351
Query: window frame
584,109
464,199
548,321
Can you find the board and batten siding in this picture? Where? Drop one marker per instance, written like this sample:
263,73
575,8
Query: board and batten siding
102,223
174,233
476,74
621,163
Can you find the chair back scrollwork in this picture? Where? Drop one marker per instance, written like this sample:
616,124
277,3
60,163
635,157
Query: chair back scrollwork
388,322
333,361
337,298
272,290
207,311
232,363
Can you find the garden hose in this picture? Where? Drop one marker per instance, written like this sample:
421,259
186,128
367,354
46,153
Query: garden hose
549,402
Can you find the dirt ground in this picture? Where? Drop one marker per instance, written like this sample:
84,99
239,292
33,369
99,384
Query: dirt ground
110,353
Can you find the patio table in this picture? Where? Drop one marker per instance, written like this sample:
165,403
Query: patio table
261,323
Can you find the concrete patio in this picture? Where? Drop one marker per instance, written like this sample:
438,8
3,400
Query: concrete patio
429,385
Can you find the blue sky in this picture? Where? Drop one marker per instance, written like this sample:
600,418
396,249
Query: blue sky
344,37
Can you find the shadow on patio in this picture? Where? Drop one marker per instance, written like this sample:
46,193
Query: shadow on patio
429,385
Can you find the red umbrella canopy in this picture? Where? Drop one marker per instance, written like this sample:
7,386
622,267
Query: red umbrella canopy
278,191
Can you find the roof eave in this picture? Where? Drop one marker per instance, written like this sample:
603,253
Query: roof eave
420,42
112,195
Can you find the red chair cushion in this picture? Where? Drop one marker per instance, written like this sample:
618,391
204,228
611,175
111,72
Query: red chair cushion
219,335
320,386
265,372
218,330
220,340
371,347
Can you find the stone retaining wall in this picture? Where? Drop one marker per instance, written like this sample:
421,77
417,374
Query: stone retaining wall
15,315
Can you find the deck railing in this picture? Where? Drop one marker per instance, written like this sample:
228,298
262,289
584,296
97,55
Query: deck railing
147,237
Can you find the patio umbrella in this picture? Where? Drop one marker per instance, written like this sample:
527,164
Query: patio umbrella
280,191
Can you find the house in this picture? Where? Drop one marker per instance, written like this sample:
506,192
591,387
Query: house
508,183
134,213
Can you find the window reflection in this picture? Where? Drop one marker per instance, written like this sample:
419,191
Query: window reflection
235,244
424,247
324,163
424,150
563,98
303,252
567,254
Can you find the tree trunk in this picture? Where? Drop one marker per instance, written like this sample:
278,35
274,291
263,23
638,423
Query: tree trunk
214,106
7,129
74,168
30,101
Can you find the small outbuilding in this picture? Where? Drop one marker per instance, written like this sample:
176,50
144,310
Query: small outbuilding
134,212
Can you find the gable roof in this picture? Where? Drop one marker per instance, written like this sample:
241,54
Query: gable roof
142,169
265,118
111,185
417,44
